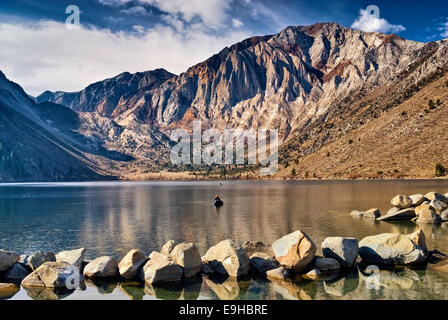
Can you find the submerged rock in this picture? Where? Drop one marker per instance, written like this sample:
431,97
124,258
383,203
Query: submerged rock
357,213
73,257
161,269
228,257
102,267
390,249
187,256
372,213
395,214
401,201
131,263
7,260
344,250
262,262
294,251
54,275
39,258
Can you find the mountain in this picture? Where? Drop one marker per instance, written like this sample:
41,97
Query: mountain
318,84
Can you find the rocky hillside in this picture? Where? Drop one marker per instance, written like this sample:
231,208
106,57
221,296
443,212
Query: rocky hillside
344,102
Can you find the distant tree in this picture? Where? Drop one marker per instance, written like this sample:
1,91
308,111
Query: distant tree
440,170
438,102
293,172
431,104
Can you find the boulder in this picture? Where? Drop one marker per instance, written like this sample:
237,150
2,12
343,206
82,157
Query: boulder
344,250
444,215
102,267
438,206
130,265
37,259
168,247
54,275
417,199
257,246
228,257
327,264
161,269
262,262
424,206
205,269
418,237
7,260
187,256
357,213
427,215
7,290
73,257
395,214
17,272
401,201
372,213
294,251
279,273
390,249
436,196
313,275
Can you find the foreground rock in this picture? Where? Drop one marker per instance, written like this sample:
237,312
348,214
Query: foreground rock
73,257
327,264
417,199
418,237
37,259
7,260
228,257
54,275
294,251
17,272
7,290
131,263
427,215
187,256
395,214
102,267
390,249
401,202
262,262
372,213
168,247
161,269
279,273
436,196
344,250
438,206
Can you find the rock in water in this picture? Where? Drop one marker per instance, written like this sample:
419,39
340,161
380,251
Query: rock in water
130,265
438,206
401,201
7,260
228,257
312,275
279,273
344,250
444,215
73,257
417,199
390,249
418,237
161,269
39,258
187,256
327,264
357,213
395,214
168,247
17,272
102,267
262,262
426,215
54,275
294,251
372,213
436,196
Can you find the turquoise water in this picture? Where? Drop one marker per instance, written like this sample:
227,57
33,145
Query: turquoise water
111,218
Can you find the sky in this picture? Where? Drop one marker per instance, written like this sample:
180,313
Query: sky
43,47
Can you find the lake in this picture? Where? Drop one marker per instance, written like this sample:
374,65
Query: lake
110,218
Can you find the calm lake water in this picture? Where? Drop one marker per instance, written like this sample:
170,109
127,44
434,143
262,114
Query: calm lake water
111,218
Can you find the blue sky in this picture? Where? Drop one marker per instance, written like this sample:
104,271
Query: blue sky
39,52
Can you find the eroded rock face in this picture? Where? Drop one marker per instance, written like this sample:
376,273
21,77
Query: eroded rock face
294,251
131,263
102,267
262,262
73,257
401,201
7,260
228,257
39,258
187,256
390,249
344,250
54,275
161,269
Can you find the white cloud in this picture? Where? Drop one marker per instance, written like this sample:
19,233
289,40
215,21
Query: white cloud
445,30
237,23
137,10
370,23
48,56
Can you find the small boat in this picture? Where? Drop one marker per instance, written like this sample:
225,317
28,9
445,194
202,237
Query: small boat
218,203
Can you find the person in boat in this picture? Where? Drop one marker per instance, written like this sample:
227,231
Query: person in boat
216,198
217,201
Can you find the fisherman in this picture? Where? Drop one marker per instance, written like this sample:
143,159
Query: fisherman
217,202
